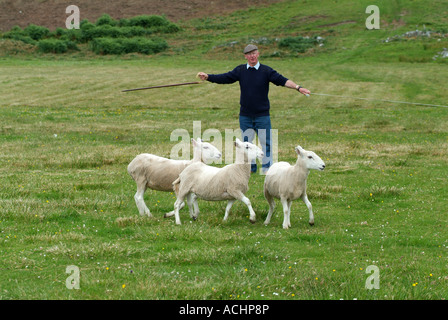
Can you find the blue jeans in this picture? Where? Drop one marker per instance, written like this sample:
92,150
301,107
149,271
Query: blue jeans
262,127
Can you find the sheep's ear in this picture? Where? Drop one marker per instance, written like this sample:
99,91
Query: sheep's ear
299,150
194,142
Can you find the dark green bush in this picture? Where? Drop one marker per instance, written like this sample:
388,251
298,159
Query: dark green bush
16,30
106,31
71,45
106,46
127,45
106,36
85,25
297,44
52,46
36,32
84,22
147,21
56,46
154,22
106,19
123,22
144,45
135,31
72,35
16,33
59,32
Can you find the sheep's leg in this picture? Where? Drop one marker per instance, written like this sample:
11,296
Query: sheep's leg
271,202
139,201
192,203
229,205
246,201
310,208
195,205
285,213
238,195
177,206
289,213
171,213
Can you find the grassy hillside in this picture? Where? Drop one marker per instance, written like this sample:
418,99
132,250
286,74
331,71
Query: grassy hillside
68,133
340,23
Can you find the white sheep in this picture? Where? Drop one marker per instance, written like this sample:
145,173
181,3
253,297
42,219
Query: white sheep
287,183
216,184
158,173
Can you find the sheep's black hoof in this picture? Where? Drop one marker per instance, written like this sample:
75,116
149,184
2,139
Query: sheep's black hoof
312,224
252,221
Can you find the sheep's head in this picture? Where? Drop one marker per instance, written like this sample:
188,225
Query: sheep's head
251,151
311,160
209,152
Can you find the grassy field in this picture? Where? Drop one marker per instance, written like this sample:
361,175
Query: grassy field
68,134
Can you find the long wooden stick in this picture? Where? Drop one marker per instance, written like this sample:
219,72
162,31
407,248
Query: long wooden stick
163,86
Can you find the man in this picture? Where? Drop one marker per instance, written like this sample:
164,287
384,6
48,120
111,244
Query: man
254,79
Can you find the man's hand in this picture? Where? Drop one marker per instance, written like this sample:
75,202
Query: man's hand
304,91
203,76
293,85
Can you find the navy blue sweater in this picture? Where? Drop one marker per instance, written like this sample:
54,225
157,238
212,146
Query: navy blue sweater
254,86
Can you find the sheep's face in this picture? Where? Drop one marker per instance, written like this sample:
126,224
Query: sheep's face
311,160
251,151
209,152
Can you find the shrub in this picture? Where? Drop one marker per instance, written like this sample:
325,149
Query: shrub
106,46
36,32
127,45
85,32
154,22
71,45
71,35
297,44
59,32
15,30
106,36
106,19
148,21
123,22
85,25
106,31
16,33
52,46
135,31
169,28
56,46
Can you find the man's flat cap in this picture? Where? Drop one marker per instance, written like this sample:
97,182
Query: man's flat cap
250,48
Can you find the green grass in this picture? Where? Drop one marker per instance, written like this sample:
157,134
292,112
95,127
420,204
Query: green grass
67,134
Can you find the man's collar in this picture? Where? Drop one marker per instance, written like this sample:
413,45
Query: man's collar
256,66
